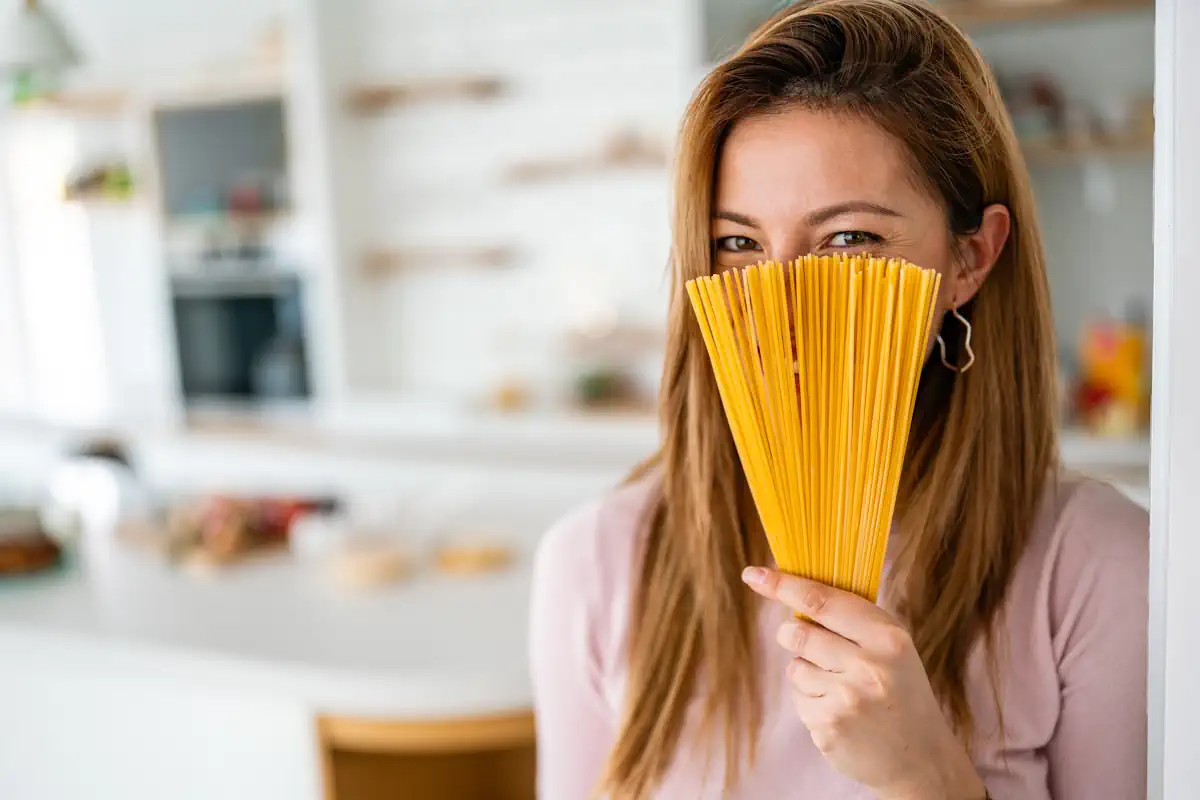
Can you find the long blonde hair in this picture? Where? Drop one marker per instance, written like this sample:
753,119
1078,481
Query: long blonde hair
983,442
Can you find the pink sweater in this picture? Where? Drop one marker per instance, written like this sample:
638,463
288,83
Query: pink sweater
1072,681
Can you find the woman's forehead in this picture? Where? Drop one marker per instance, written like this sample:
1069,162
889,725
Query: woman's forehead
790,163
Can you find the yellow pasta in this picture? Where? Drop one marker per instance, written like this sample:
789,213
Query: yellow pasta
817,363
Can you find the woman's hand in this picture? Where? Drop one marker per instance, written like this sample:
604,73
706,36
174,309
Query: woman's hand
861,690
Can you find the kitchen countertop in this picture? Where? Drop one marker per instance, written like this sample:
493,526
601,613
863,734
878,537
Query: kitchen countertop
400,429
432,647
429,648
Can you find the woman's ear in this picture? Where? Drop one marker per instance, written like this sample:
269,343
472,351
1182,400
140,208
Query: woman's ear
980,250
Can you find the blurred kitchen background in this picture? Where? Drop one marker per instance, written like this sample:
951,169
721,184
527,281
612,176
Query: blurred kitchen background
314,315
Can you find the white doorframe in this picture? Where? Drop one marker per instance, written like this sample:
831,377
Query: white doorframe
1174,657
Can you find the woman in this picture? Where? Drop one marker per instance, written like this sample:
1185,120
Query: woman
1008,653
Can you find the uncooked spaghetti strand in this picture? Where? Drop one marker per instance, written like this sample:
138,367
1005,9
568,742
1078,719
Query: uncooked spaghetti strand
824,434
787,408
777,359
884,391
737,393
910,331
846,415
820,430
863,431
840,317
855,440
747,337
755,322
795,459
859,438
805,361
873,299
758,317
732,391
803,410
747,342
795,417
851,444
705,300
925,290
741,340
881,404
894,460
885,399
836,306
901,330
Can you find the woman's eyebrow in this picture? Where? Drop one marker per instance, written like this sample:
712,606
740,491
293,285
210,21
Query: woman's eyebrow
733,216
823,215
818,217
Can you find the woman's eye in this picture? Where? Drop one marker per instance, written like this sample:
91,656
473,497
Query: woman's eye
845,239
737,244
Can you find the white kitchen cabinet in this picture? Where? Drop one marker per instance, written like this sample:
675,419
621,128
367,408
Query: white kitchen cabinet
76,728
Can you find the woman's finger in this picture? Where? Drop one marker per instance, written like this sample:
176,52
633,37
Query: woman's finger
843,613
809,680
815,644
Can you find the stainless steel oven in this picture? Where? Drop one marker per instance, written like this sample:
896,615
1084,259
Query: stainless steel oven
240,336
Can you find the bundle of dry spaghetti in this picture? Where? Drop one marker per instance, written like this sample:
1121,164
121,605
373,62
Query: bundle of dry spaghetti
817,363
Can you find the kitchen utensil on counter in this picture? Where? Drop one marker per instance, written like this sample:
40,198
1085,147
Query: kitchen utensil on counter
817,363
25,549
316,536
371,564
278,371
227,529
94,488
218,531
473,557
1112,395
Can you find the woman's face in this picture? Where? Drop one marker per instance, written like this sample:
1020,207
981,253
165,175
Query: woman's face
803,181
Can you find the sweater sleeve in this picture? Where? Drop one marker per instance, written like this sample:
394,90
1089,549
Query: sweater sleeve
574,723
1100,601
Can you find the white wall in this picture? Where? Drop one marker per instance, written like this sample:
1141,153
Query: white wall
432,175
138,41
14,376
429,174
93,329
1096,216
56,290
1175,465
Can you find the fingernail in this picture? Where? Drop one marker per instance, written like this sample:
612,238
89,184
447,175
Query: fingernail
754,575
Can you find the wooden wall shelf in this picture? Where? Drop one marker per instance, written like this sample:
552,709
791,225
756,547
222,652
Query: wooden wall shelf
232,219
979,13
102,202
1051,152
380,97
622,151
218,86
623,340
383,262
97,103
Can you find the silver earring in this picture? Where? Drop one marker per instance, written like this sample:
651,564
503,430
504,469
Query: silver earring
966,345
